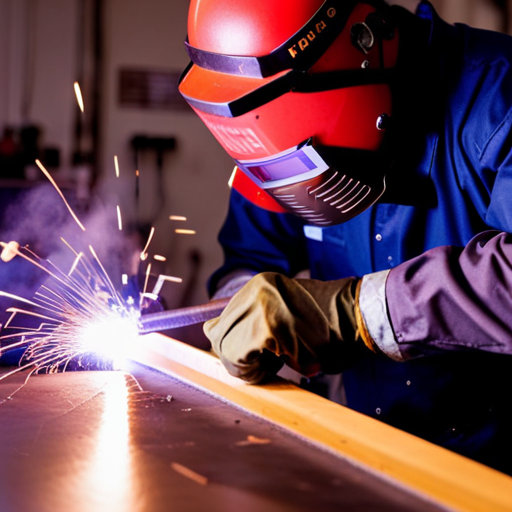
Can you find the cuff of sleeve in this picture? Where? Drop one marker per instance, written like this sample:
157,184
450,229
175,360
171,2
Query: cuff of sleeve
232,283
372,304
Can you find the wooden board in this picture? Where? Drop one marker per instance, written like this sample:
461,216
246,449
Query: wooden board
444,476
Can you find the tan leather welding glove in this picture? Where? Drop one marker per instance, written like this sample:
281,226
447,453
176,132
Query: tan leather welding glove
310,325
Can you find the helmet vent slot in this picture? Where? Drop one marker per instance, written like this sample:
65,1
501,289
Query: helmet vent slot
356,196
353,187
343,184
315,190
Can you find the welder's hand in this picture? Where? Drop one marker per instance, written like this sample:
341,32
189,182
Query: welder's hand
308,324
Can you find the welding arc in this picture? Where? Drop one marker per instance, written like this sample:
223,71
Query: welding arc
181,317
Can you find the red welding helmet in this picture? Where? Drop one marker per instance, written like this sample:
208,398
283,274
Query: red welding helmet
297,92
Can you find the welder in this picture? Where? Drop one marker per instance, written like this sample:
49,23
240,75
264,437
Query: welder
373,147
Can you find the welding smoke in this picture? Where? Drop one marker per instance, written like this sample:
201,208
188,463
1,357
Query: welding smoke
38,218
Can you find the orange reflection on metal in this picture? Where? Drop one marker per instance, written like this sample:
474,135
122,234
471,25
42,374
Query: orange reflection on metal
110,474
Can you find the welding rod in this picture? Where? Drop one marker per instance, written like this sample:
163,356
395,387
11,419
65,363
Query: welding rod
181,317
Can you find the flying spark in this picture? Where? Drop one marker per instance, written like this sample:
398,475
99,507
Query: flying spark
116,165
9,251
144,253
185,231
119,220
161,280
148,273
232,177
79,97
76,317
52,181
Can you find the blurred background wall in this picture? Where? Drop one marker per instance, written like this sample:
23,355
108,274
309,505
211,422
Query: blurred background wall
127,56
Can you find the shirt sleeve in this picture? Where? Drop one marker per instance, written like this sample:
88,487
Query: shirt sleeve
257,240
460,298
454,298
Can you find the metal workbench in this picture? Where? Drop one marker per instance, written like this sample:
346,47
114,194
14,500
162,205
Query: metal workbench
144,440
93,441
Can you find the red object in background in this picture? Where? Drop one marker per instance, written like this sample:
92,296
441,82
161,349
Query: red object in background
8,145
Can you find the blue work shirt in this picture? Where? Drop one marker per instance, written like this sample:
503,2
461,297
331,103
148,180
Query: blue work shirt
451,179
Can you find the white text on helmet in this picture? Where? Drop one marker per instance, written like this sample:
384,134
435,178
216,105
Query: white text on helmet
237,140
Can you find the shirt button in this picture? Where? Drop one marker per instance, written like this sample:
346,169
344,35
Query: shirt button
378,237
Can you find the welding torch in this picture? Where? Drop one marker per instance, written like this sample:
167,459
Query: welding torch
190,315
181,317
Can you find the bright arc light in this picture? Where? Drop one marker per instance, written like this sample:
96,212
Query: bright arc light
112,337
79,97
82,318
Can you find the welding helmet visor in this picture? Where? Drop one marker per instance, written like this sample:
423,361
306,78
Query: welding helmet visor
304,181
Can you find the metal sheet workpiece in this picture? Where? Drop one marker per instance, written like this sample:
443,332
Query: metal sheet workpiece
175,432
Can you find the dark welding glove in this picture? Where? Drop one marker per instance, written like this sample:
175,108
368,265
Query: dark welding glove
310,325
